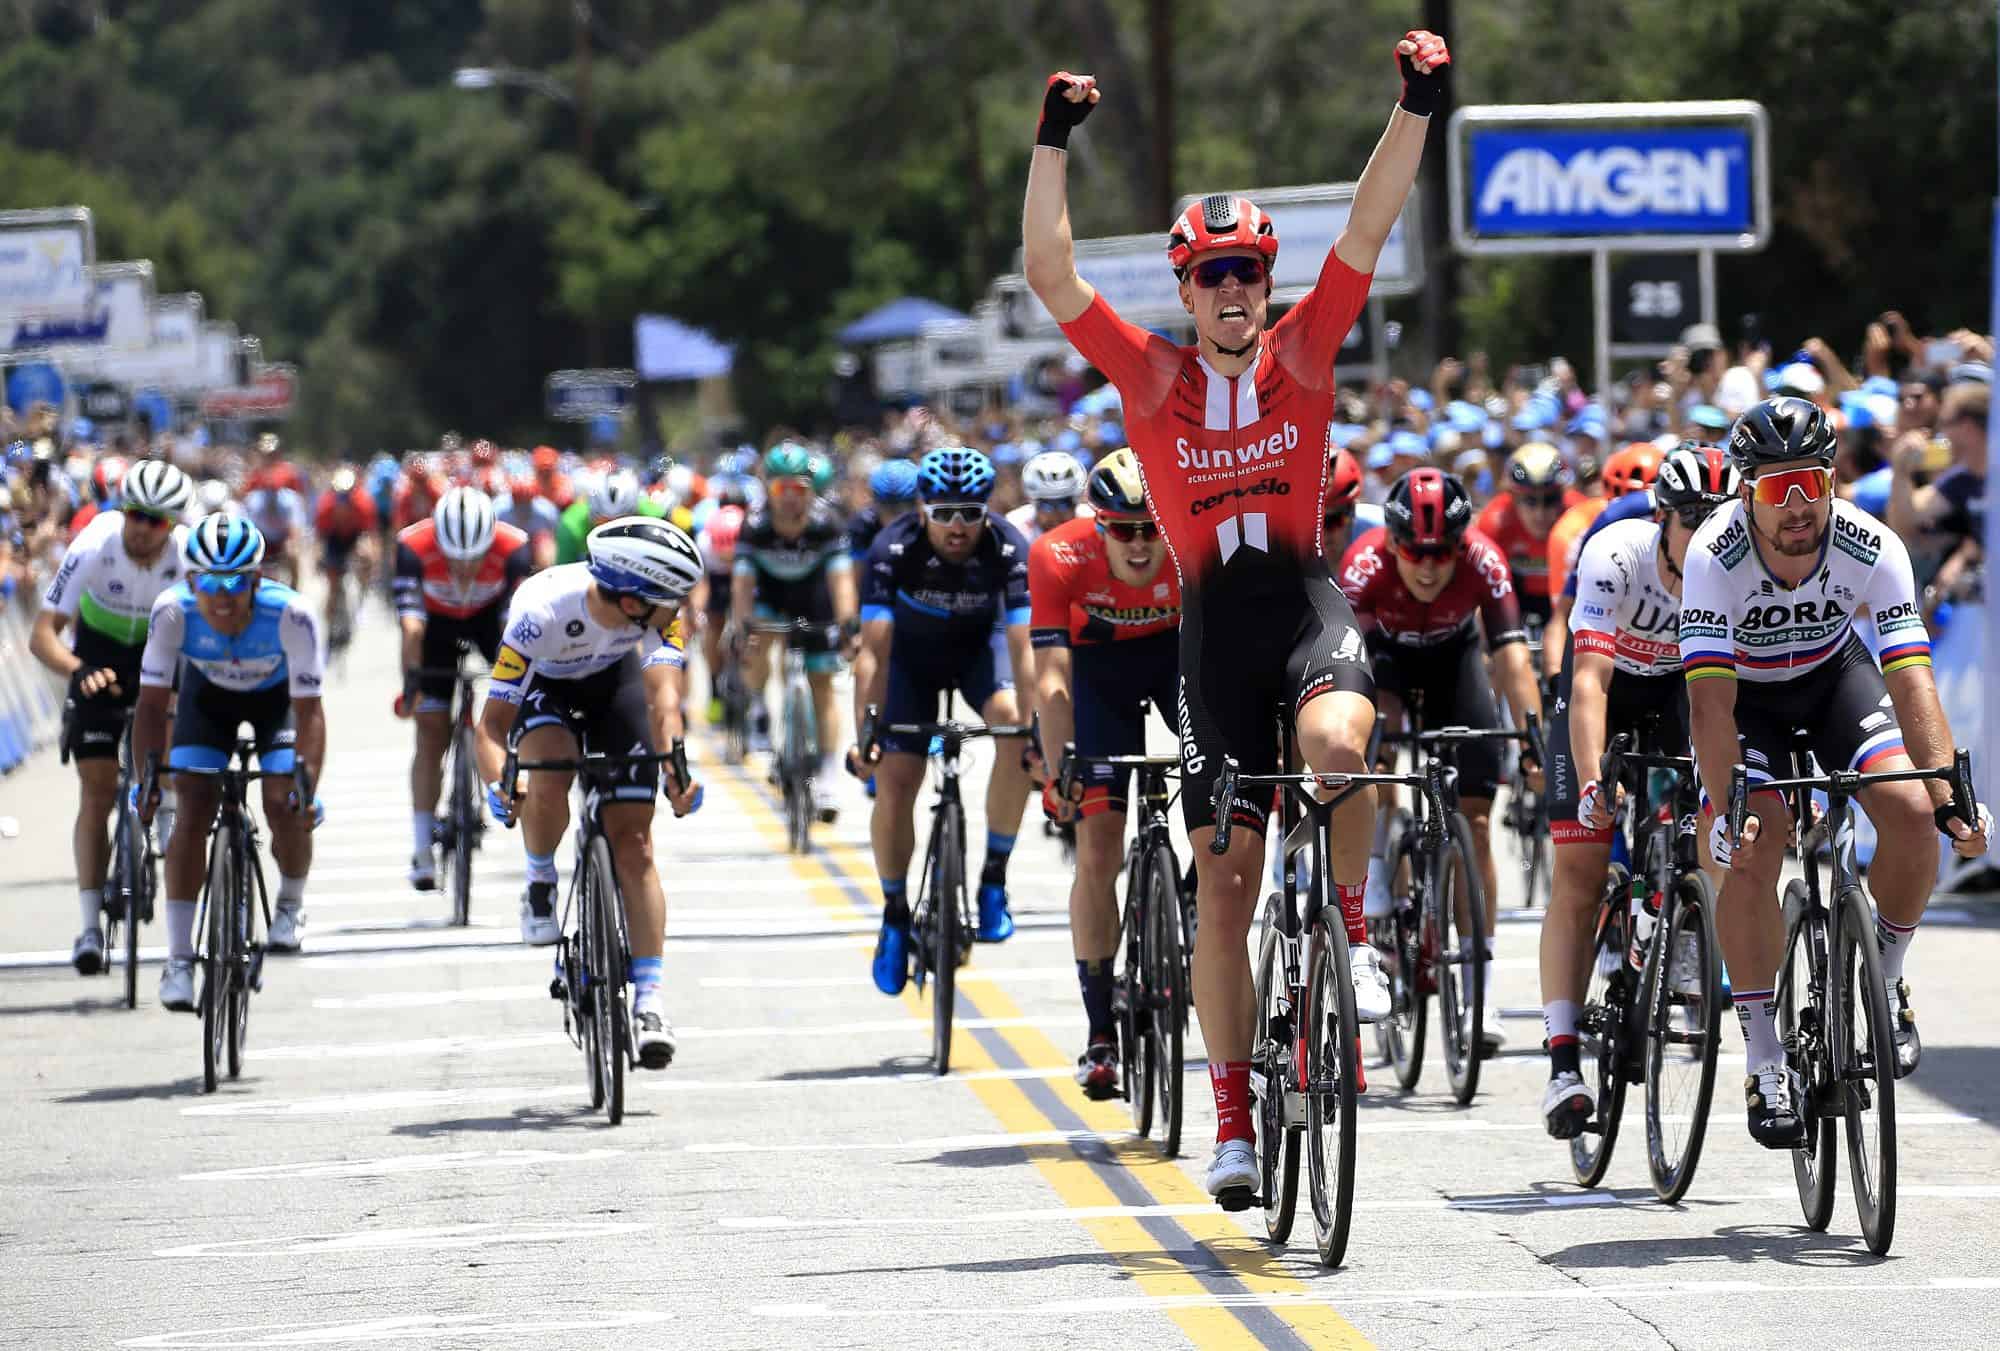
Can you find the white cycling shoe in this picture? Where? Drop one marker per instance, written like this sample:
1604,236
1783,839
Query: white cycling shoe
1373,1002
652,1033
1376,902
1233,1169
177,985
826,806
286,921
1492,1032
539,926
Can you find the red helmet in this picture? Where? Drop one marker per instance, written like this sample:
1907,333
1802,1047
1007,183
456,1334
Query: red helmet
1343,479
546,459
105,478
1632,468
484,452
1219,222
1428,508
723,528
522,489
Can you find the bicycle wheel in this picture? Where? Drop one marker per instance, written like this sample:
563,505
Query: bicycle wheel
216,961
1401,1035
1802,1009
237,991
129,861
1461,956
1535,864
1129,1001
1270,1067
1332,1034
1865,1057
604,969
464,826
947,926
735,717
1600,1029
1166,1000
1683,1004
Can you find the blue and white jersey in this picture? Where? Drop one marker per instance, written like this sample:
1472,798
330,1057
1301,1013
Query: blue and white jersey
930,599
281,644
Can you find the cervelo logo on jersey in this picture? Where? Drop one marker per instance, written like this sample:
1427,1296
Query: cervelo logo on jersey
1193,457
1264,487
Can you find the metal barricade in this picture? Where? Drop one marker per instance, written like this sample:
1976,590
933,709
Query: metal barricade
31,697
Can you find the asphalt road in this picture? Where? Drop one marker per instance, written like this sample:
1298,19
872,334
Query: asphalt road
409,1158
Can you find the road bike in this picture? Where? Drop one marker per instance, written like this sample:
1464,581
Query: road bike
461,827
1527,814
131,879
594,956
944,918
235,908
798,757
1156,927
1305,1051
1652,1009
734,692
1833,1008
1434,938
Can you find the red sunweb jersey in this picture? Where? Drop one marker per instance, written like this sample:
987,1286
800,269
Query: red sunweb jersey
1479,586
1234,466
1075,600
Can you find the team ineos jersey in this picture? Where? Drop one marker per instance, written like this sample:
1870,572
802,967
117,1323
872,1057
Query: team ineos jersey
1480,589
1738,620
821,547
1623,610
550,635
1076,600
1234,466
101,586
281,644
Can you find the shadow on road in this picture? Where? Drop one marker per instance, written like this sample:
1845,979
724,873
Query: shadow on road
1963,1078
895,1064
189,1087
521,1119
1540,1197
1748,1243
110,1004
1118,1265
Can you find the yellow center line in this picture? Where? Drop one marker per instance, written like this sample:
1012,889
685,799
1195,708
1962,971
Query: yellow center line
1073,1177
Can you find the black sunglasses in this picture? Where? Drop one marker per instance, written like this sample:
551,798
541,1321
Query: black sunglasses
1215,271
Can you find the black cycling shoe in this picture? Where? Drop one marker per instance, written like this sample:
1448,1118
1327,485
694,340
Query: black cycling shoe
1771,1093
1903,1021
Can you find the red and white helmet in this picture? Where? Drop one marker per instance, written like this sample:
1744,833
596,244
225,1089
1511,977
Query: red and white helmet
1217,222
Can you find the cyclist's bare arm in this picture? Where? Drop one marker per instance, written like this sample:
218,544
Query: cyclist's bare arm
1712,714
742,598
309,716
45,641
1052,700
413,641
846,594
1926,734
496,723
149,724
1047,248
871,667
1589,705
1383,188
1515,675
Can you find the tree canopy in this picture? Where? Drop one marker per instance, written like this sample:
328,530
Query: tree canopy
771,169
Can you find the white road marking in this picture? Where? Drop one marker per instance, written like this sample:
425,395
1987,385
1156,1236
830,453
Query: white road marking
432,1238
401,951
423,999
404,1329
456,1161
991,975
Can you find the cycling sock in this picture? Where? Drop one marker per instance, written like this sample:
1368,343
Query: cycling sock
645,977
180,930
1094,979
1353,903
998,849
1757,1012
1231,1083
1559,1026
291,892
423,831
895,901
541,867
89,901
1893,940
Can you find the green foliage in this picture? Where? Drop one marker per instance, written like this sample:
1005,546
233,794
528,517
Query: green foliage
770,169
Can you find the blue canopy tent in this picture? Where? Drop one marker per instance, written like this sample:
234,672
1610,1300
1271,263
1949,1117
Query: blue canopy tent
896,320
667,349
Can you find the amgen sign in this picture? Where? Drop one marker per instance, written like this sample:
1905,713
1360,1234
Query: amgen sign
1635,177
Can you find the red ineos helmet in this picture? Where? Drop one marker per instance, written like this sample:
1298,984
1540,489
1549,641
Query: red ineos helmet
1428,508
1219,222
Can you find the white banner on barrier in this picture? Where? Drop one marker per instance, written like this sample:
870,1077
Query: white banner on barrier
120,320
45,260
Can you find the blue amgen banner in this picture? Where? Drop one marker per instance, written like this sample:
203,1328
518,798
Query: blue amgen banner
1618,181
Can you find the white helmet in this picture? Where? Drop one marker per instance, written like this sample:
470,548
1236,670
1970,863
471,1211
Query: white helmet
1052,476
158,487
617,496
464,521
643,556
214,496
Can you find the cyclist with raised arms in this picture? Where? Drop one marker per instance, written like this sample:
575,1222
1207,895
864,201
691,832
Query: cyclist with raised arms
114,570
592,660
1775,583
455,575
944,606
1231,437
1054,485
1622,668
246,650
1425,587
1104,613
792,563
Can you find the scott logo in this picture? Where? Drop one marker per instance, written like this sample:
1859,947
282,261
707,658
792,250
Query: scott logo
1225,457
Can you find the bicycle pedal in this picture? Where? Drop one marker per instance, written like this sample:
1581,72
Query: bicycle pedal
556,988
1234,1199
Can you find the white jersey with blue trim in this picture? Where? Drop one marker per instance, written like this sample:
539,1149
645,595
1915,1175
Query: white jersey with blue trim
281,643
551,635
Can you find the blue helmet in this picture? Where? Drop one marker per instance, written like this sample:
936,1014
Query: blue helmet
955,474
224,543
894,481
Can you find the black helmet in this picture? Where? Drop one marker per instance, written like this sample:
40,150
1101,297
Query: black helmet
1780,429
1428,508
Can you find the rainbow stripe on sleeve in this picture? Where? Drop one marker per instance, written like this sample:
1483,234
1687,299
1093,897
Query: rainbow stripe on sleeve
1709,665
1913,653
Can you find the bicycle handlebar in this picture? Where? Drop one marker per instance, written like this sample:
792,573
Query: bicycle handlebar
1620,754
1842,784
1430,781
596,764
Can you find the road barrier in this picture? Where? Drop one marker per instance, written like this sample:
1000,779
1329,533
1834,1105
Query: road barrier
31,698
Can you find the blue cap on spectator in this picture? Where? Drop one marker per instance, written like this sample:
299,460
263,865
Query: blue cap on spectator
82,429
1495,436
1881,384
1111,434
1345,434
1007,453
1464,417
1589,422
1468,459
1708,416
1970,373
1067,439
1408,443
1380,456
1535,414
1421,398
